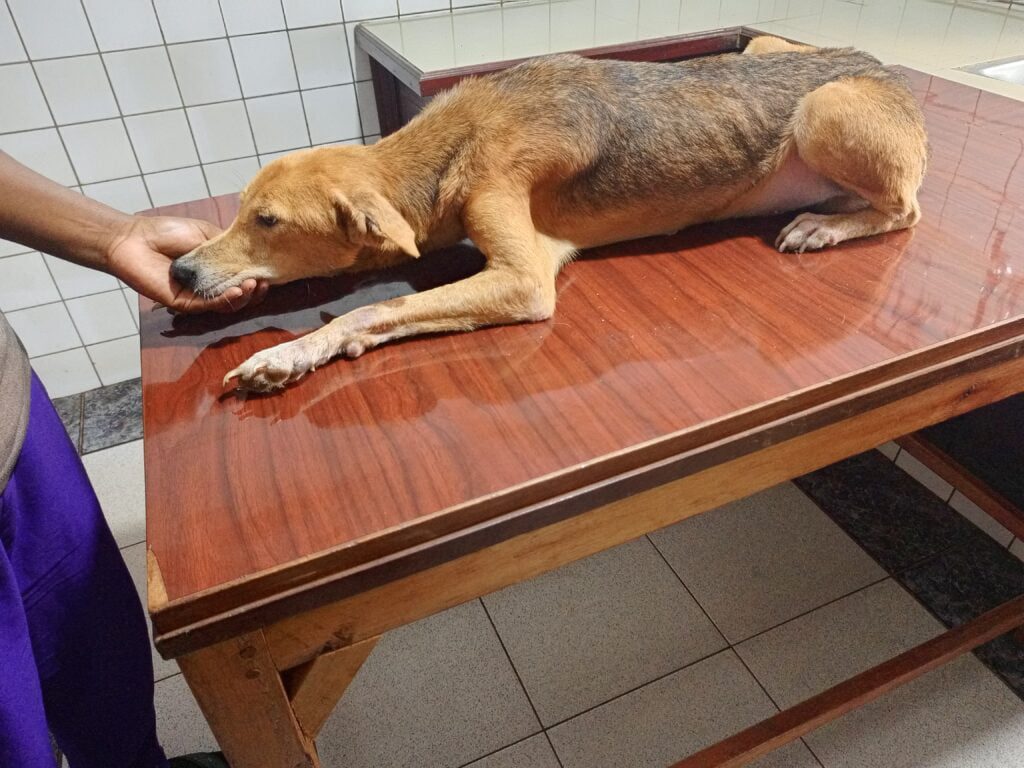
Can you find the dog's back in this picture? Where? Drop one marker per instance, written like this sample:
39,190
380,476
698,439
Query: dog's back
654,129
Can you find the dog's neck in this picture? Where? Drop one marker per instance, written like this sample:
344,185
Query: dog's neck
414,165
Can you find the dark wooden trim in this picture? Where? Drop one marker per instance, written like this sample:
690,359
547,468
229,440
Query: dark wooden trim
385,89
770,734
334,574
997,506
663,49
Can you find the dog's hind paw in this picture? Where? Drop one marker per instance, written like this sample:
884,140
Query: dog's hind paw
808,232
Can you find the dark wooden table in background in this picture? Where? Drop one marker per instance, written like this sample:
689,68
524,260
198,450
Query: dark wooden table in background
286,533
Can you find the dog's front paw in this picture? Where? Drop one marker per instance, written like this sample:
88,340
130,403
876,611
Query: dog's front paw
274,368
808,232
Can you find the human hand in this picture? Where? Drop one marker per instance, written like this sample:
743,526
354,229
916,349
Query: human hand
141,256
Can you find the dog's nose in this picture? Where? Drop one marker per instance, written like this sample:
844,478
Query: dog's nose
183,273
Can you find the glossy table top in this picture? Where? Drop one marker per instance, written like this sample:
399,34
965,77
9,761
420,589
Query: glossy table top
672,343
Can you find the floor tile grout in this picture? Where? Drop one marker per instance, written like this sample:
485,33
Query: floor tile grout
502,749
732,644
693,597
636,688
519,679
778,708
166,677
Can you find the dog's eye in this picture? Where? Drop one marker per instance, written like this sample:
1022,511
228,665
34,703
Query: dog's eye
266,220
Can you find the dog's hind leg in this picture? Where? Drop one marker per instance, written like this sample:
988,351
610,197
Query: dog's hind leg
516,285
867,135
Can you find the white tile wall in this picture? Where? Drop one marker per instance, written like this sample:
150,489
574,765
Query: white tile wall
174,186
162,140
331,113
321,56
66,373
183,20
117,360
243,17
309,13
25,107
25,282
123,24
222,131
143,80
101,317
42,151
44,329
278,122
54,28
11,48
264,63
74,281
77,89
205,71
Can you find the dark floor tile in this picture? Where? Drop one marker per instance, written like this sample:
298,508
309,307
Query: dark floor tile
961,584
112,415
951,567
892,516
70,411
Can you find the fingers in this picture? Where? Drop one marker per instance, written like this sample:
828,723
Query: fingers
249,292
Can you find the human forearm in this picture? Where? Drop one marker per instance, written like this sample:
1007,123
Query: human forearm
46,216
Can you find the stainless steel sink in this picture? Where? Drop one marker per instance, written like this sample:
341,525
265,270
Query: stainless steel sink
1008,70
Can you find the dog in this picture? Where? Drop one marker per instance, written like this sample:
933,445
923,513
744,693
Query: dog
560,154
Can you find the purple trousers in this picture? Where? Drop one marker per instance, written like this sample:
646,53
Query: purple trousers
74,650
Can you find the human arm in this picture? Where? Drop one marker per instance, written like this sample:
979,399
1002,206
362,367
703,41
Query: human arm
46,216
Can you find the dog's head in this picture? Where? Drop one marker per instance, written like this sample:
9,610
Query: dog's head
307,214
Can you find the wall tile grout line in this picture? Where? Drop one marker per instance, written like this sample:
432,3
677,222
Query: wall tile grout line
184,106
46,100
117,102
238,78
100,51
184,109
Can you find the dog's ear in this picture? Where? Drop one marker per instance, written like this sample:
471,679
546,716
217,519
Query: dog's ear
368,216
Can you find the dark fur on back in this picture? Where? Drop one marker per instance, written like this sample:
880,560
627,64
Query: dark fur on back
727,116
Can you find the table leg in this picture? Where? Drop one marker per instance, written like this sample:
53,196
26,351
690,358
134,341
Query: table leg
316,686
244,700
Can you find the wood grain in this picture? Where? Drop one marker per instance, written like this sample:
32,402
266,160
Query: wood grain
709,341
241,695
770,734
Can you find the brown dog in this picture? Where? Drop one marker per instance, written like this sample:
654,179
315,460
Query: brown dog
565,153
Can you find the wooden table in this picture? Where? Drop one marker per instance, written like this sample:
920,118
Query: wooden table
286,533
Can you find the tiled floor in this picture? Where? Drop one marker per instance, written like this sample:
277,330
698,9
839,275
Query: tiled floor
644,653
